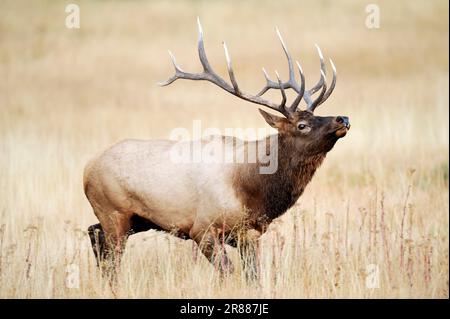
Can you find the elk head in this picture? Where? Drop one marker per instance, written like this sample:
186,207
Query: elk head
313,134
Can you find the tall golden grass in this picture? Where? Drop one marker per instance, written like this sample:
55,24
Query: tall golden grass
380,198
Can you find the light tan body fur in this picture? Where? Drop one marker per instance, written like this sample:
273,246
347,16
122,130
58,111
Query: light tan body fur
140,177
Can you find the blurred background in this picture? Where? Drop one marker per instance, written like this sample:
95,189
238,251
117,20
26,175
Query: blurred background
67,94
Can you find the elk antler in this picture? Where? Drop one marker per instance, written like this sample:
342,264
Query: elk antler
208,74
292,84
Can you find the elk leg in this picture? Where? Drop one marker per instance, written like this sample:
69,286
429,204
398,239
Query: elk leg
210,246
109,244
248,246
97,236
107,252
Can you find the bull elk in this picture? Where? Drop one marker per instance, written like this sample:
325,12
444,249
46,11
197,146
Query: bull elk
134,185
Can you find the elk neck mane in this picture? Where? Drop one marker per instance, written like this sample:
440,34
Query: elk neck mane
267,196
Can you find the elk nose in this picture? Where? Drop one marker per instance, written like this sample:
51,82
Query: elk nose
343,120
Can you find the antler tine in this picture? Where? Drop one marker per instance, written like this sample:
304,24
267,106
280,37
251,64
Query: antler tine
323,69
269,83
312,106
333,84
291,81
230,68
177,71
201,49
299,97
326,95
319,84
283,93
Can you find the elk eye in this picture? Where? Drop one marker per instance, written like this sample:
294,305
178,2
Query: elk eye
301,126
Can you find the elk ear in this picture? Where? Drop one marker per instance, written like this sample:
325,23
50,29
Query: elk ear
273,120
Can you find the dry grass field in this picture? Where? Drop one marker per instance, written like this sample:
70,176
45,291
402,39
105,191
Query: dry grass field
380,198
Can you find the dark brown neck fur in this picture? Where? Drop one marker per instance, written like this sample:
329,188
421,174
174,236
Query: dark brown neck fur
268,196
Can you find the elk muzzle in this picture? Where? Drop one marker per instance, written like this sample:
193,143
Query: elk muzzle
344,124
